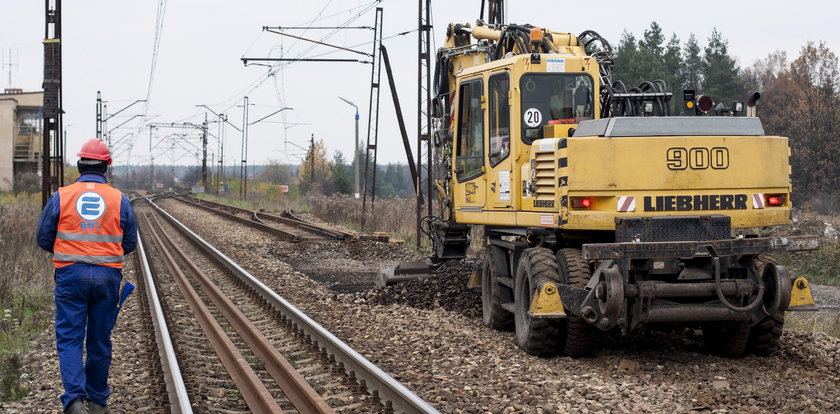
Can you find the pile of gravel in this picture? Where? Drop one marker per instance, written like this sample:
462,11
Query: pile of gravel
446,289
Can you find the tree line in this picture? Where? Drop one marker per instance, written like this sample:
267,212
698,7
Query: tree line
320,174
707,69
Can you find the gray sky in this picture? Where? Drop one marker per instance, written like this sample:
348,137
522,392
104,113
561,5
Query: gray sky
108,47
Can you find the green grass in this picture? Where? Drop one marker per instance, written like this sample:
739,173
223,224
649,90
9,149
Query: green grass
26,283
10,379
821,266
810,322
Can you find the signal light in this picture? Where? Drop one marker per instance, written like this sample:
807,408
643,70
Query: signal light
581,202
775,200
705,103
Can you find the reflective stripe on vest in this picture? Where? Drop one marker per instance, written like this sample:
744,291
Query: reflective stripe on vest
89,237
89,228
87,259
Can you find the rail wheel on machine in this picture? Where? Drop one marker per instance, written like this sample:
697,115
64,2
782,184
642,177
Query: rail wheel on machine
494,267
764,336
534,335
576,333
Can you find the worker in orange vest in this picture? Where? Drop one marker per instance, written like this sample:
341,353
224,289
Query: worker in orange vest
89,227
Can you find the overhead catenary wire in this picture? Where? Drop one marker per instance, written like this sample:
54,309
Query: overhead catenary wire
317,42
271,72
159,23
365,43
273,69
362,10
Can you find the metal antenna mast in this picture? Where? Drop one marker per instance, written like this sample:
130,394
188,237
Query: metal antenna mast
424,119
243,166
99,114
11,65
204,153
52,166
373,114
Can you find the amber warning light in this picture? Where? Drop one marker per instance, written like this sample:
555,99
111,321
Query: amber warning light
536,36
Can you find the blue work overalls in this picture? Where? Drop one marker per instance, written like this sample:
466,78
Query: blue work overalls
86,298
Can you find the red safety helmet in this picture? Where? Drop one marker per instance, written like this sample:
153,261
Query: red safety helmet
95,149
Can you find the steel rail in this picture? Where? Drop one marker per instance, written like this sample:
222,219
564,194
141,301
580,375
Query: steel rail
296,222
289,236
253,391
179,400
294,385
377,381
310,227
341,234
303,225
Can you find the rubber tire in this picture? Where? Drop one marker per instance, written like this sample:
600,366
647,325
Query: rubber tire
534,335
492,313
764,336
728,339
576,333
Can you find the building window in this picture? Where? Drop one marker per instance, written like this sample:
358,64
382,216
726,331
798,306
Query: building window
30,123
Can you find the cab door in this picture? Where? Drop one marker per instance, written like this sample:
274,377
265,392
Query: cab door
469,148
500,174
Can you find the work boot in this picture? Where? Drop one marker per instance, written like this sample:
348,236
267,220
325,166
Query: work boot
76,407
98,409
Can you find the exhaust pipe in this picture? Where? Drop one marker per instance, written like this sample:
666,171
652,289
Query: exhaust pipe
753,99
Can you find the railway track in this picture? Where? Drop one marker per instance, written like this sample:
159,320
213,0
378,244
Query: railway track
291,228
280,360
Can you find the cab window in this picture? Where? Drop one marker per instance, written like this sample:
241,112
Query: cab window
499,117
554,98
469,158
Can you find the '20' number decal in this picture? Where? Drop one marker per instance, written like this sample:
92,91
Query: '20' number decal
532,117
697,158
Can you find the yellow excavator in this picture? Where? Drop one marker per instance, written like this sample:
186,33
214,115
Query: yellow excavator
599,210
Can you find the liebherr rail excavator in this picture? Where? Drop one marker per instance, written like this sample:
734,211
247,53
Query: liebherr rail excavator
600,210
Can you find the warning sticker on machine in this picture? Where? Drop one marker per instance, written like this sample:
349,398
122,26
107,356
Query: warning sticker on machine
555,65
547,144
504,185
546,220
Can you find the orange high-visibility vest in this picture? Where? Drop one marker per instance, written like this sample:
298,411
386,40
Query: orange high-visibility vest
89,226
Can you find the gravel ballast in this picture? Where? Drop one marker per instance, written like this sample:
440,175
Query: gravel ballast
428,334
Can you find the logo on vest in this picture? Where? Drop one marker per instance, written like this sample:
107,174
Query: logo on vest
90,206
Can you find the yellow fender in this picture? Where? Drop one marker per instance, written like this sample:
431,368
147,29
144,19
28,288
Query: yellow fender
546,302
801,298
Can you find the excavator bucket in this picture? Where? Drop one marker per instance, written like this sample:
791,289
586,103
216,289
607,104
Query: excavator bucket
404,271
